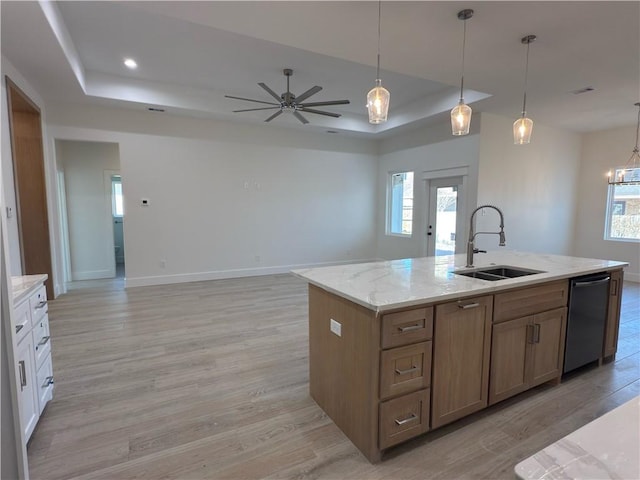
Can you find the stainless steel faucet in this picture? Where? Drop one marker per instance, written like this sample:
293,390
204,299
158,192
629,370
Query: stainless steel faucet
470,246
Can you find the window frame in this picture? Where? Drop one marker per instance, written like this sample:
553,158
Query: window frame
389,204
609,217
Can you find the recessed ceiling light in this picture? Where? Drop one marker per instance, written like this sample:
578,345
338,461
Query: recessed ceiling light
130,63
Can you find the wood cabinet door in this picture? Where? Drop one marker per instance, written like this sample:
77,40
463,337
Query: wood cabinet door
548,346
510,349
613,314
461,354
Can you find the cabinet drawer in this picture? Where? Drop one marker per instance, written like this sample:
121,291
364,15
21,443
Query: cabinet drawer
530,300
22,317
44,383
405,369
407,327
41,340
403,418
38,302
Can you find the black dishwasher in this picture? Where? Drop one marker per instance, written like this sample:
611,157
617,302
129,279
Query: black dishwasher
588,303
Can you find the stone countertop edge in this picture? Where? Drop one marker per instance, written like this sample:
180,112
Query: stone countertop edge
389,285
24,285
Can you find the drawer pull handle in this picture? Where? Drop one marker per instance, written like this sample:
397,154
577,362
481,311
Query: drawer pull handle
408,370
47,381
44,340
23,374
410,418
469,305
410,328
40,305
19,327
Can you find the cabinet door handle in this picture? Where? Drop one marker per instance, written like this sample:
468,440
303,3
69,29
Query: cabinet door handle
469,305
41,304
531,333
47,381
44,340
23,374
408,370
410,328
410,418
536,333
19,327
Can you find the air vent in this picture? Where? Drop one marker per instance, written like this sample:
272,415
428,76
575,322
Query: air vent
583,90
154,109
332,131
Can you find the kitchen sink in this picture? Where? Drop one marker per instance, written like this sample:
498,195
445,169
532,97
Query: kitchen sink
500,272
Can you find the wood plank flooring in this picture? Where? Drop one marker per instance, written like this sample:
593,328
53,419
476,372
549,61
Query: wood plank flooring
210,380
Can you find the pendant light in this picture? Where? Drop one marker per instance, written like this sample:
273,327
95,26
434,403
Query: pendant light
461,113
523,126
630,173
378,96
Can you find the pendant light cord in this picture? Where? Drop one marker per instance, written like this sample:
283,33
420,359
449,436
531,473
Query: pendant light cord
637,129
464,42
526,76
379,12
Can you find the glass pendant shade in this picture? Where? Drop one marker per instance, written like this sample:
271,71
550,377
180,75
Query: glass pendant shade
460,119
378,103
522,129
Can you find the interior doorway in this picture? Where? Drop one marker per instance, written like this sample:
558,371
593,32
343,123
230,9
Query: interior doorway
117,214
445,216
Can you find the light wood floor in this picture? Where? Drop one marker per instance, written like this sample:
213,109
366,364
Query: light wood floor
210,380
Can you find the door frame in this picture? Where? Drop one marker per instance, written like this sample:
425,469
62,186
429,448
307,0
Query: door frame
108,191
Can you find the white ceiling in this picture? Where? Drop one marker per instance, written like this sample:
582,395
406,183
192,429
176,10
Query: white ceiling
191,54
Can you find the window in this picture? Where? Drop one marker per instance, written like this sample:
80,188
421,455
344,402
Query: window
400,204
623,213
116,196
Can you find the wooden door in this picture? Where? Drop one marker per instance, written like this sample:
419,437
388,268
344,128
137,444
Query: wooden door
461,354
613,314
29,178
510,350
548,346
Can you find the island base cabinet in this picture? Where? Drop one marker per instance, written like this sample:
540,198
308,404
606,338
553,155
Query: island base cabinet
526,352
461,355
613,314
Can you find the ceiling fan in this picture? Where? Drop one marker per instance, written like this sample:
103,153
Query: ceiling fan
289,103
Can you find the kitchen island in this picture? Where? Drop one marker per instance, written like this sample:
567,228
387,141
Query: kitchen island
397,348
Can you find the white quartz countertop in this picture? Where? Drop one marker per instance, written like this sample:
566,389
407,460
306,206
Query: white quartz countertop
392,284
606,448
24,285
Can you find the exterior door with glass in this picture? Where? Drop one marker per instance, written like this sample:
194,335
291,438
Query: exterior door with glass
445,216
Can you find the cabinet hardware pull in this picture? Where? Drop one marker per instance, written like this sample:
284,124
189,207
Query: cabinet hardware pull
537,333
41,304
408,370
530,333
23,374
47,381
469,305
410,328
410,418
44,340
19,327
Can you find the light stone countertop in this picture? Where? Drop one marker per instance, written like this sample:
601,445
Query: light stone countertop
606,448
387,285
25,285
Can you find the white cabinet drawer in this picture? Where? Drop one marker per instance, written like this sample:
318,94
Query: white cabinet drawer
22,317
41,340
44,383
38,302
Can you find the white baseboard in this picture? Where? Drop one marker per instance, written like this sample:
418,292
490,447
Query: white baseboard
131,282
92,275
632,277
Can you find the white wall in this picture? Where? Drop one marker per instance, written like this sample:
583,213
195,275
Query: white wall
601,152
89,206
235,200
438,151
535,185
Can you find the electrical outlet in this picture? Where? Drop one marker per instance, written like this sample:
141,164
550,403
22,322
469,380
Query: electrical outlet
257,258
163,263
336,327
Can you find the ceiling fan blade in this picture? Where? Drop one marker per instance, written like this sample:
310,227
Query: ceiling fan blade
322,104
251,100
271,92
273,116
320,112
254,109
300,117
308,93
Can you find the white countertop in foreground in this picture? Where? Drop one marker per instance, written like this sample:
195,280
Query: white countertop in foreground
23,286
606,448
386,285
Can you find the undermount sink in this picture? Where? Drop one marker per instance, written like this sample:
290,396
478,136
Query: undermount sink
499,272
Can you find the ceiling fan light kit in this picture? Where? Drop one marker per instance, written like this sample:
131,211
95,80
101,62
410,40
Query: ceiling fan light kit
378,97
289,103
523,126
461,113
